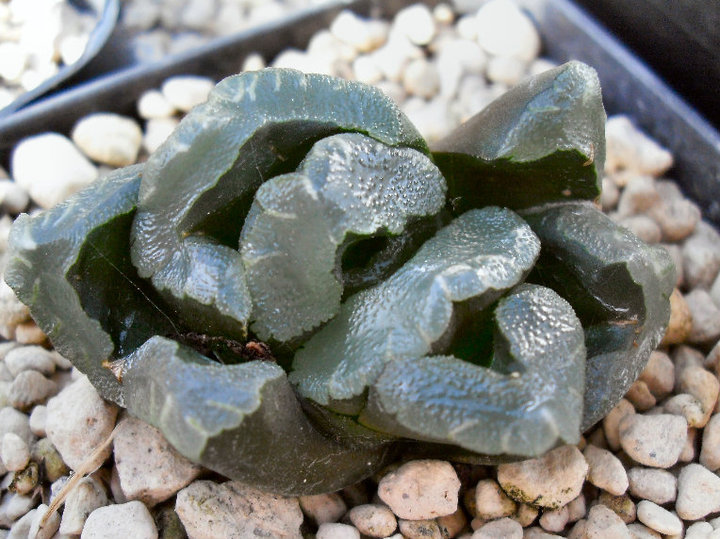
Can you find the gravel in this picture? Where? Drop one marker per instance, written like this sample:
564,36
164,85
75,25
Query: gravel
646,471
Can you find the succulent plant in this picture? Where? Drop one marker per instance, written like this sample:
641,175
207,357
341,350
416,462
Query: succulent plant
294,288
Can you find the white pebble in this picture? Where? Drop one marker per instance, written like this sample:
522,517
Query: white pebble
323,507
15,452
153,104
656,485
421,78
415,22
555,520
253,62
491,502
13,59
605,470
455,59
503,29
710,452
337,531
705,317
504,528
12,420
366,70
640,531
107,138
14,199
29,388
421,489
14,506
699,530
185,92
392,57
659,519
50,168
362,34
653,440
50,524
374,520
12,311
157,131
603,523
38,416
120,521
505,70
628,148
698,492
84,498
36,358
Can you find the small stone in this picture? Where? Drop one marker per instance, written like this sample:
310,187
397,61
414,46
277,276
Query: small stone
507,70
329,530
374,520
659,519
419,529
21,528
38,416
392,57
705,317
503,29
107,138
24,358
323,507
78,421
640,531
681,323
157,131
30,388
555,520
184,92
603,523
362,34
421,78
658,486
209,510
611,422
14,451
643,227
44,453
119,521
29,333
366,70
702,385
454,60
50,168
685,356
452,525
539,533
49,525
253,62
641,396
14,199
430,118
688,452
153,104
677,219
605,471
491,502
504,528
421,489
14,506
11,420
653,440
628,148
87,496
610,194
698,492
12,311
416,23
686,406
526,514
639,195
577,508
26,480
701,256
710,451
622,506
549,481
149,468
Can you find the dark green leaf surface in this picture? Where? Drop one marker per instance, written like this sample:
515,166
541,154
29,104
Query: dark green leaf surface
620,288
71,266
530,401
200,183
348,184
480,255
243,421
543,140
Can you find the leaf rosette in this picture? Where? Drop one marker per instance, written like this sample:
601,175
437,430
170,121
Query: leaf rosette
293,288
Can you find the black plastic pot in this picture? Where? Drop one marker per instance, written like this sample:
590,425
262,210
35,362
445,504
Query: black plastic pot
629,86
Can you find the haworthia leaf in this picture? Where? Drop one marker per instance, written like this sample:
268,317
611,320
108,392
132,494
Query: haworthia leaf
201,181
243,421
530,401
543,140
71,266
619,286
477,257
348,184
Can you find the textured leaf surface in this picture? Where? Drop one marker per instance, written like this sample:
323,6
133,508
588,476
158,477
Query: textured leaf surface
619,286
71,266
243,421
541,141
347,185
478,256
201,181
530,400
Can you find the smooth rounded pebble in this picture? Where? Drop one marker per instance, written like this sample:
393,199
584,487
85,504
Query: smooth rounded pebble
623,506
628,148
640,531
51,168
415,23
504,528
539,533
603,523
653,440
109,139
701,256
699,530
157,131
491,502
421,489
329,530
87,496
452,525
153,104
656,485
29,388
12,420
698,492
503,29
555,520
38,417
120,521
149,468
680,324
185,91
705,317
611,422
13,506
25,358
641,396
78,421
659,519
14,451
50,524
374,520
209,510
322,508
13,198
548,481
710,451
605,470
704,386
419,529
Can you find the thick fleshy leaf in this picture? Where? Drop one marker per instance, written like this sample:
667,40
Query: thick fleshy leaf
243,421
348,185
542,141
476,258
201,181
71,266
619,286
528,402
